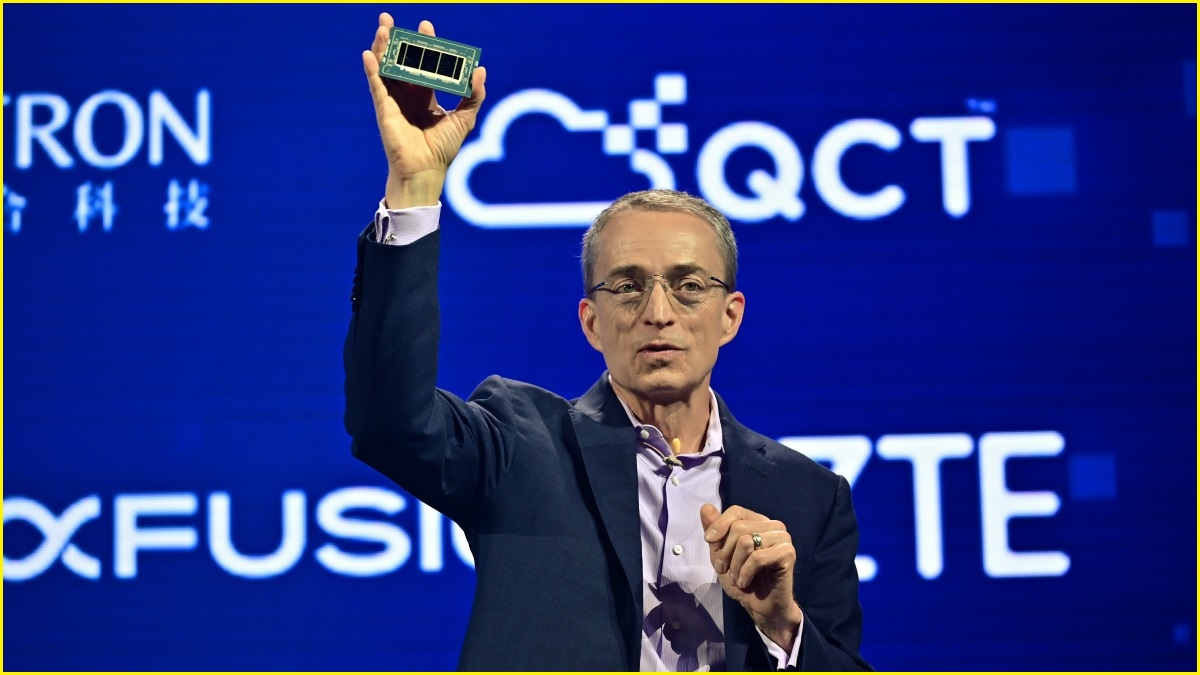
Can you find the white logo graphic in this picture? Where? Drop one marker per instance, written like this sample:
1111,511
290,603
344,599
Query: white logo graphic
93,201
847,455
618,139
56,533
156,120
338,514
49,131
191,203
14,204
773,193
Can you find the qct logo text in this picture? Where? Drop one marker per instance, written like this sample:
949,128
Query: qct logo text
774,193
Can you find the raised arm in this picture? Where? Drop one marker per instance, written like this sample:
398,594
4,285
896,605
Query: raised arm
431,443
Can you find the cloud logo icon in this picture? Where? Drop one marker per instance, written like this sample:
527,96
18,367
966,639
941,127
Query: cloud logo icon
490,148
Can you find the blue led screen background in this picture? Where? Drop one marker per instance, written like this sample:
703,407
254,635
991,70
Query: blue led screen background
967,242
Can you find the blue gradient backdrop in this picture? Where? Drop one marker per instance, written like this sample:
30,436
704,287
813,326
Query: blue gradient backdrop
192,361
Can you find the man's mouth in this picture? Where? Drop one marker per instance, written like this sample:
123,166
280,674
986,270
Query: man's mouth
658,347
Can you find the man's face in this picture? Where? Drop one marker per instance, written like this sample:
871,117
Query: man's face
659,349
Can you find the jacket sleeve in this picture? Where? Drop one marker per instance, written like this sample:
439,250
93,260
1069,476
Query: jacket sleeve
440,449
832,629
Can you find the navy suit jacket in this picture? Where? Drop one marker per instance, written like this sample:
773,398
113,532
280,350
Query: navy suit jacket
546,490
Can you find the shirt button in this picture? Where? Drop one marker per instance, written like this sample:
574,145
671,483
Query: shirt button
645,434
675,625
677,550
674,480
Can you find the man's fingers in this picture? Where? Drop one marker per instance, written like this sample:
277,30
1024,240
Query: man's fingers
718,529
379,90
739,532
426,28
470,105
780,557
371,67
379,45
739,544
744,551
742,547
385,19
722,551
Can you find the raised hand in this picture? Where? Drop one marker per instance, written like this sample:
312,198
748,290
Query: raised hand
758,578
420,138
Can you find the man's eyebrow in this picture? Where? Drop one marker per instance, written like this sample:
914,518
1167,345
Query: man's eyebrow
627,271
676,270
684,268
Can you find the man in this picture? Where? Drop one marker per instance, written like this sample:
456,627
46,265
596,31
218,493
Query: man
639,526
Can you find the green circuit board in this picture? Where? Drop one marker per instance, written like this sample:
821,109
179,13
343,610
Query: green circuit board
429,61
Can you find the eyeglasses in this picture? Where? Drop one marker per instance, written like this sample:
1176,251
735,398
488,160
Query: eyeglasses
629,293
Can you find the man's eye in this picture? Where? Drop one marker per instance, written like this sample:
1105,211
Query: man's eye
624,287
690,286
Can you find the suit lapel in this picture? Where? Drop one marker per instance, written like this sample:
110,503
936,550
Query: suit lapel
608,446
745,472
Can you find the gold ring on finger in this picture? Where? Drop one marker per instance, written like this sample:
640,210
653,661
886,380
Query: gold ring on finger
757,539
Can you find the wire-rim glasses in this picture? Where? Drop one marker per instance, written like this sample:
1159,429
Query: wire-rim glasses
630,293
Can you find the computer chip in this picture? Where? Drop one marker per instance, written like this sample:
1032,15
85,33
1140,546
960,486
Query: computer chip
429,61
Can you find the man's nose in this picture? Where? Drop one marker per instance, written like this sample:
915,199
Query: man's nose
658,310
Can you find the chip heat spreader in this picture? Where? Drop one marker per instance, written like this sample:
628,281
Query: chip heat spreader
429,61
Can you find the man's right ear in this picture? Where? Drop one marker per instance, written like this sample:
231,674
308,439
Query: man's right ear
587,322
